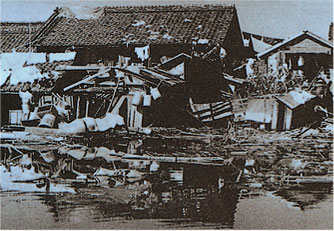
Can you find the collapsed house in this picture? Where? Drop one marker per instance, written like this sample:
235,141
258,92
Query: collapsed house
289,81
27,80
164,37
175,66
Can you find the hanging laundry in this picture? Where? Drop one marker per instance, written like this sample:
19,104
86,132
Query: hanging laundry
300,61
143,52
246,42
258,37
273,64
222,53
26,97
61,56
203,41
35,58
120,60
268,40
249,67
155,93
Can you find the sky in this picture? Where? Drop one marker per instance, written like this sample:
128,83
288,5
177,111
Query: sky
272,18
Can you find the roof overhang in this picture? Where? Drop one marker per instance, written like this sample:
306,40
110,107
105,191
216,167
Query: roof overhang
287,41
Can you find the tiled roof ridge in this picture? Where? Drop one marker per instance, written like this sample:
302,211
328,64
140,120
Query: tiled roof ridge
19,28
108,27
20,23
167,8
48,24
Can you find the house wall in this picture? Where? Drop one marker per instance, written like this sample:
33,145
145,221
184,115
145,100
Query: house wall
315,56
109,54
308,46
9,102
233,44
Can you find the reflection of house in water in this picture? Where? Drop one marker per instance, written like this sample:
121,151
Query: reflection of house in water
174,193
195,194
306,197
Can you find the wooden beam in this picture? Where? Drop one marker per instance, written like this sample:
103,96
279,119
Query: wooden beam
87,106
79,68
86,79
78,105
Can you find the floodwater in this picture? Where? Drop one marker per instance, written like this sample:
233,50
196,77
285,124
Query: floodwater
267,182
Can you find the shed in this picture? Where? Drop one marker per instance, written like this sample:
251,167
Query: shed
304,52
295,109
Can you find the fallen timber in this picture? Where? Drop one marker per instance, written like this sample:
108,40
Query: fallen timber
112,156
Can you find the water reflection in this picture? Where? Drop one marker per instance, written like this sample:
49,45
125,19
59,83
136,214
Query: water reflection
305,197
168,194
89,182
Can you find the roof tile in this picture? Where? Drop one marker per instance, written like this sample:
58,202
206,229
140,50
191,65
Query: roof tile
16,35
120,25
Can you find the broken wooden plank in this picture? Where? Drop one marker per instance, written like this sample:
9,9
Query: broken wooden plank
79,68
86,79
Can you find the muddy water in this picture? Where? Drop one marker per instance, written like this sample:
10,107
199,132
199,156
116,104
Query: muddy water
271,182
38,211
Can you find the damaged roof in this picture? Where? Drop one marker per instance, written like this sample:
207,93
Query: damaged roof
293,99
137,25
16,35
42,85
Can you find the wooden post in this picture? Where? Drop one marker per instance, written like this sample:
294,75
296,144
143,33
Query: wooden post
288,118
274,116
87,107
78,106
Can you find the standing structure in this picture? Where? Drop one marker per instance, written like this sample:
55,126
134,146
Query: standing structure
305,52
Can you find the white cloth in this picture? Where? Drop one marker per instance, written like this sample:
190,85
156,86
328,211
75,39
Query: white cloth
143,52
25,96
25,74
222,53
273,63
300,61
249,67
34,58
61,56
